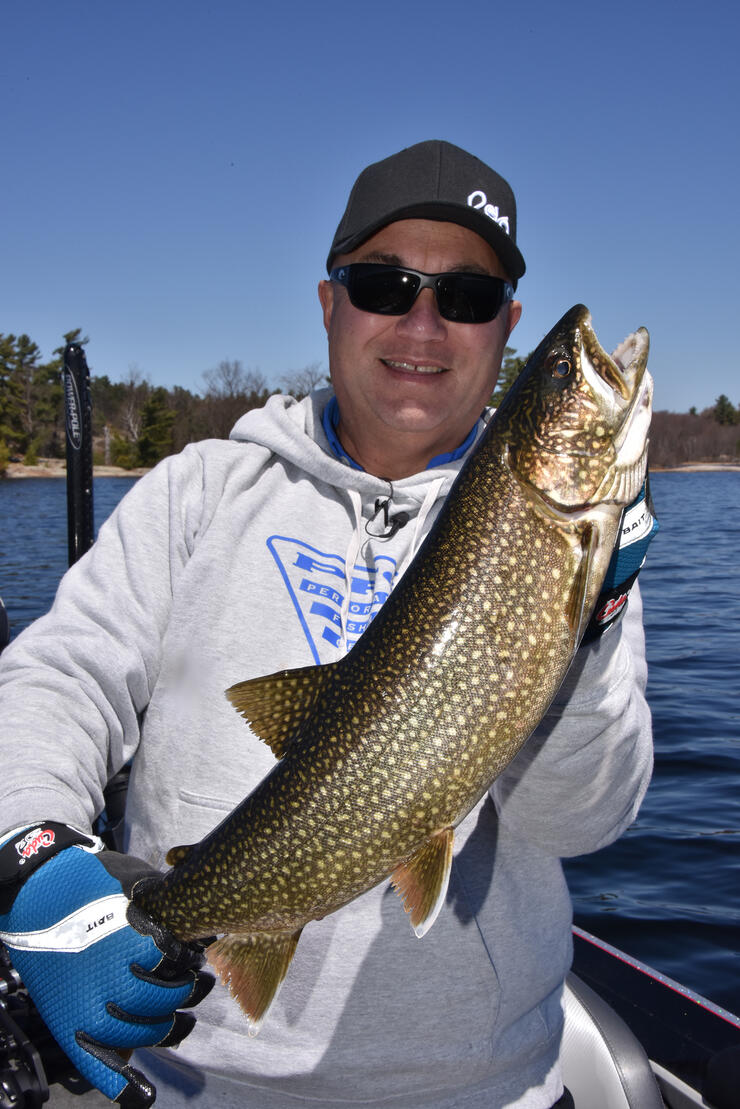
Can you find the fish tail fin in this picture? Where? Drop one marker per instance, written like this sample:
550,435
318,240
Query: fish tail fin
423,879
253,967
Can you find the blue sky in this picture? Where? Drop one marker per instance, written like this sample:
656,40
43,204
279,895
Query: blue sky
173,172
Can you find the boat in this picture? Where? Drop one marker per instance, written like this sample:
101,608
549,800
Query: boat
4,626
634,1037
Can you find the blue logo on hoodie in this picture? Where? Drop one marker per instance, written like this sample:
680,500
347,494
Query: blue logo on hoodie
317,583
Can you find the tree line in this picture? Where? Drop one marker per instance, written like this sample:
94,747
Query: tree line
135,423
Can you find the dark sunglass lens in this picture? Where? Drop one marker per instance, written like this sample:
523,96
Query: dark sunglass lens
465,298
388,292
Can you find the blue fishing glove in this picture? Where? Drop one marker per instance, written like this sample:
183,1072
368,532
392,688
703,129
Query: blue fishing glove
636,532
105,978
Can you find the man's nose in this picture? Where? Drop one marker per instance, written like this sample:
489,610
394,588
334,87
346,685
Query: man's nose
423,318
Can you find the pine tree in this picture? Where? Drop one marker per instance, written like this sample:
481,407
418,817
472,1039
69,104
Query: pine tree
10,394
155,438
725,411
511,367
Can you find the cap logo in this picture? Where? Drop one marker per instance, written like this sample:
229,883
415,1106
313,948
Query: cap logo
479,200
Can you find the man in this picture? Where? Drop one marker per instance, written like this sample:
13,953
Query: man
270,551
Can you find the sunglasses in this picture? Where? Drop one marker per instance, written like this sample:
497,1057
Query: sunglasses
392,290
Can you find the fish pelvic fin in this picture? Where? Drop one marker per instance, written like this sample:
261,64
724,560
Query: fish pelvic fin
253,968
422,880
276,706
576,612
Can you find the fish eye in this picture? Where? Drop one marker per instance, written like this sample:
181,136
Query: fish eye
560,367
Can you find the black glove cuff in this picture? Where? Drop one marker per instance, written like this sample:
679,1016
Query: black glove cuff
610,607
29,849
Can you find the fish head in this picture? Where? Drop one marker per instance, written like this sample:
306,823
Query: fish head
576,419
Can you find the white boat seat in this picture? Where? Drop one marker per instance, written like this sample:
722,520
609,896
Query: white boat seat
604,1064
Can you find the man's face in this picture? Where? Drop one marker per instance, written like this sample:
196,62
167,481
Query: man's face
411,387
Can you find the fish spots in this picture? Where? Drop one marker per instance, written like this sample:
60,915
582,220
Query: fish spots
430,704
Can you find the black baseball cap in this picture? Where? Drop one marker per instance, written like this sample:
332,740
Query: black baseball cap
432,180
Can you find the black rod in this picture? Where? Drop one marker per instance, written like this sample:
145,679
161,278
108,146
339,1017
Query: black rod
78,419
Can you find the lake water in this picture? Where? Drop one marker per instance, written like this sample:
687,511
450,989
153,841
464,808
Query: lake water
669,891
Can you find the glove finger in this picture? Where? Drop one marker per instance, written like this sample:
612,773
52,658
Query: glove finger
107,1070
178,957
137,1031
182,1026
145,1003
149,996
204,983
199,986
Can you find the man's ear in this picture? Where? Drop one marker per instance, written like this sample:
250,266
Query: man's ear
515,314
326,296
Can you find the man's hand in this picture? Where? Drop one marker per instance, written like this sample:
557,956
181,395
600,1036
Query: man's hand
637,529
105,978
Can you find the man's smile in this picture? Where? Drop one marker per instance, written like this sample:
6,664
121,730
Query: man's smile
413,367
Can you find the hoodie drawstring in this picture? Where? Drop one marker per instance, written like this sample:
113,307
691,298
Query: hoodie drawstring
426,506
358,539
353,550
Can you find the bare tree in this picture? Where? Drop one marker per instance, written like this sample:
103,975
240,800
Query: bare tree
677,438
230,392
299,383
137,390
229,379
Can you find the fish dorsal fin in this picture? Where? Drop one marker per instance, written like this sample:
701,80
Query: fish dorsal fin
576,607
253,967
277,705
422,880
179,854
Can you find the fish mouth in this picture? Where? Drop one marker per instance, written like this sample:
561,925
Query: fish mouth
620,379
624,383
620,374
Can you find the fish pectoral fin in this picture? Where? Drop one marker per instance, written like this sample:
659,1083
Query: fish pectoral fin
422,880
576,607
253,968
179,854
277,705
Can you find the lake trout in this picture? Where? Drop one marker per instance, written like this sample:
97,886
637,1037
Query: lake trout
383,753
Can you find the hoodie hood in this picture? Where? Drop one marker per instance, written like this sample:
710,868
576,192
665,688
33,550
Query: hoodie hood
293,430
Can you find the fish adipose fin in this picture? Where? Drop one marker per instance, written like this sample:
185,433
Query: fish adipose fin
422,880
179,854
253,967
276,706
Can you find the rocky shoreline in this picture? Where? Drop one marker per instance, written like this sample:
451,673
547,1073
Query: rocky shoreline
57,467
695,468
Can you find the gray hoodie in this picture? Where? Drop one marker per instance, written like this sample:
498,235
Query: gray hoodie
238,558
